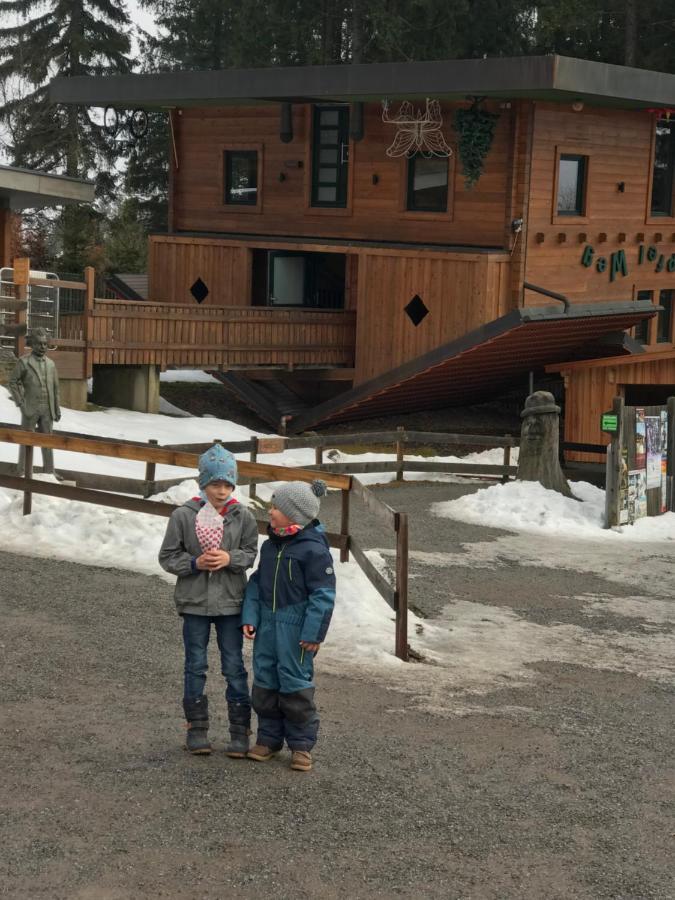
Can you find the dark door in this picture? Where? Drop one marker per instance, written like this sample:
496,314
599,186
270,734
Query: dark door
330,156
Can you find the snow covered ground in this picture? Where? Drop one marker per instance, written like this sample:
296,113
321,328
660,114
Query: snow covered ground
475,647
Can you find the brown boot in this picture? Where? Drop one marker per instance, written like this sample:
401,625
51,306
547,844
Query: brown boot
301,760
261,753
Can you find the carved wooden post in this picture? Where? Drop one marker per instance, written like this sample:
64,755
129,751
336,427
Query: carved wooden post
540,442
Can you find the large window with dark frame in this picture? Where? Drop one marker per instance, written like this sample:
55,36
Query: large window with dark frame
664,320
664,169
330,156
427,183
241,177
572,175
642,328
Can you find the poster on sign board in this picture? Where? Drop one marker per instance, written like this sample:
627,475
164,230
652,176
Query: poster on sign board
654,455
637,494
640,440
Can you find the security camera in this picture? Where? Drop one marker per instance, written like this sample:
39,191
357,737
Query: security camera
516,225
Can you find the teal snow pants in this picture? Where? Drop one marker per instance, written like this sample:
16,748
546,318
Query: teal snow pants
283,681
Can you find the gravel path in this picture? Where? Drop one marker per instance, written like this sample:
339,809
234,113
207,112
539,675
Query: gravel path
562,787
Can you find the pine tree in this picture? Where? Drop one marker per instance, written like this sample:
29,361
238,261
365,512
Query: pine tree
61,37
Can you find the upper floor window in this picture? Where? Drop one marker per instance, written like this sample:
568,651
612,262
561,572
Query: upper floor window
572,174
642,328
664,320
241,177
664,168
427,183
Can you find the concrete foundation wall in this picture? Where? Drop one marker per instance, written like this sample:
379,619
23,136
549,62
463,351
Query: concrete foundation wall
7,363
127,387
73,392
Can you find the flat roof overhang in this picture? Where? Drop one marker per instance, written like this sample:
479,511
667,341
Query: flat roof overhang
485,363
554,78
28,189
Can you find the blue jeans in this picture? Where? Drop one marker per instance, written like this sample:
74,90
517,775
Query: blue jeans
196,633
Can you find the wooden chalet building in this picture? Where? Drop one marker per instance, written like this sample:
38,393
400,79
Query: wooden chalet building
348,282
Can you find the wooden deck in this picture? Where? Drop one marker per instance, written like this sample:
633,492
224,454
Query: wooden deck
128,333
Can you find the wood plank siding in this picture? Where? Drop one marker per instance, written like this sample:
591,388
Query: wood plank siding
618,145
376,203
460,292
590,389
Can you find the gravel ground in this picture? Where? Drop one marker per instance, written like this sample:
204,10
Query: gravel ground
560,788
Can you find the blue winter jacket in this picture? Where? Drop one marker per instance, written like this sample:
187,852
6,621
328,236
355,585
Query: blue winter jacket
294,571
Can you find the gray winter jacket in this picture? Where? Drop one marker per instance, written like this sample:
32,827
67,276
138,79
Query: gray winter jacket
209,593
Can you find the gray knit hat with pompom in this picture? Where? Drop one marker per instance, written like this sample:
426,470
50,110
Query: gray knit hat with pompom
299,501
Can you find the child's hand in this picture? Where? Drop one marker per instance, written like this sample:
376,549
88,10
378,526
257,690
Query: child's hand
313,648
219,559
249,632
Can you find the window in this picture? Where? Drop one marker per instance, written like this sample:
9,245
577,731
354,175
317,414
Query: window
664,319
571,199
241,177
330,156
664,165
642,328
427,183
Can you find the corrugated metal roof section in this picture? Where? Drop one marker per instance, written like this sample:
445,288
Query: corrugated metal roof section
481,364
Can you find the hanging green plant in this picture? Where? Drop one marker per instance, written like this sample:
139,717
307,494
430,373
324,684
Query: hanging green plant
475,130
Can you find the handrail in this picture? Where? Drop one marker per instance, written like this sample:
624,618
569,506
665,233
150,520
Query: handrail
554,295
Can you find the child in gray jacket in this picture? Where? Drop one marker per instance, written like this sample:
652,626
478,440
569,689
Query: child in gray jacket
209,544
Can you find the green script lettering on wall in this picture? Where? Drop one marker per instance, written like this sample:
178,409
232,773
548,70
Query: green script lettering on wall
617,263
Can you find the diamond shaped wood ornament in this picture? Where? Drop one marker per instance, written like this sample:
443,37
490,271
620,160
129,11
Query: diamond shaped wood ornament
199,291
416,310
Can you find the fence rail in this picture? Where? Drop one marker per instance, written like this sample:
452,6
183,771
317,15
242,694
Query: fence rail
152,455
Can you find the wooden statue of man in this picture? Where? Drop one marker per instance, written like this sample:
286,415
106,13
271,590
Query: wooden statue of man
34,387
538,458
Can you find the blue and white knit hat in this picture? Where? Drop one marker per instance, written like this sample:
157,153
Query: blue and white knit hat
298,501
217,464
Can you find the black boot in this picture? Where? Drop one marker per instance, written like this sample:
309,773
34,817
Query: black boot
197,715
239,715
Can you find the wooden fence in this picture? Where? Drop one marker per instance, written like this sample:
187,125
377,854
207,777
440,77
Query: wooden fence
152,455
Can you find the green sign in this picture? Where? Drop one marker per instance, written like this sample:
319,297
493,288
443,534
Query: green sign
617,263
609,422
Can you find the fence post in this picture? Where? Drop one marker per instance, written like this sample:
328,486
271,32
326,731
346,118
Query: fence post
28,473
670,453
399,453
613,469
150,469
21,280
88,318
318,456
344,524
254,459
401,525
507,462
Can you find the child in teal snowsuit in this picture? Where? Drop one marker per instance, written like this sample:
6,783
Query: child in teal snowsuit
288,606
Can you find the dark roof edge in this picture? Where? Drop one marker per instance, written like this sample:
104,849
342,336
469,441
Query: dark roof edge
497,76
438,355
